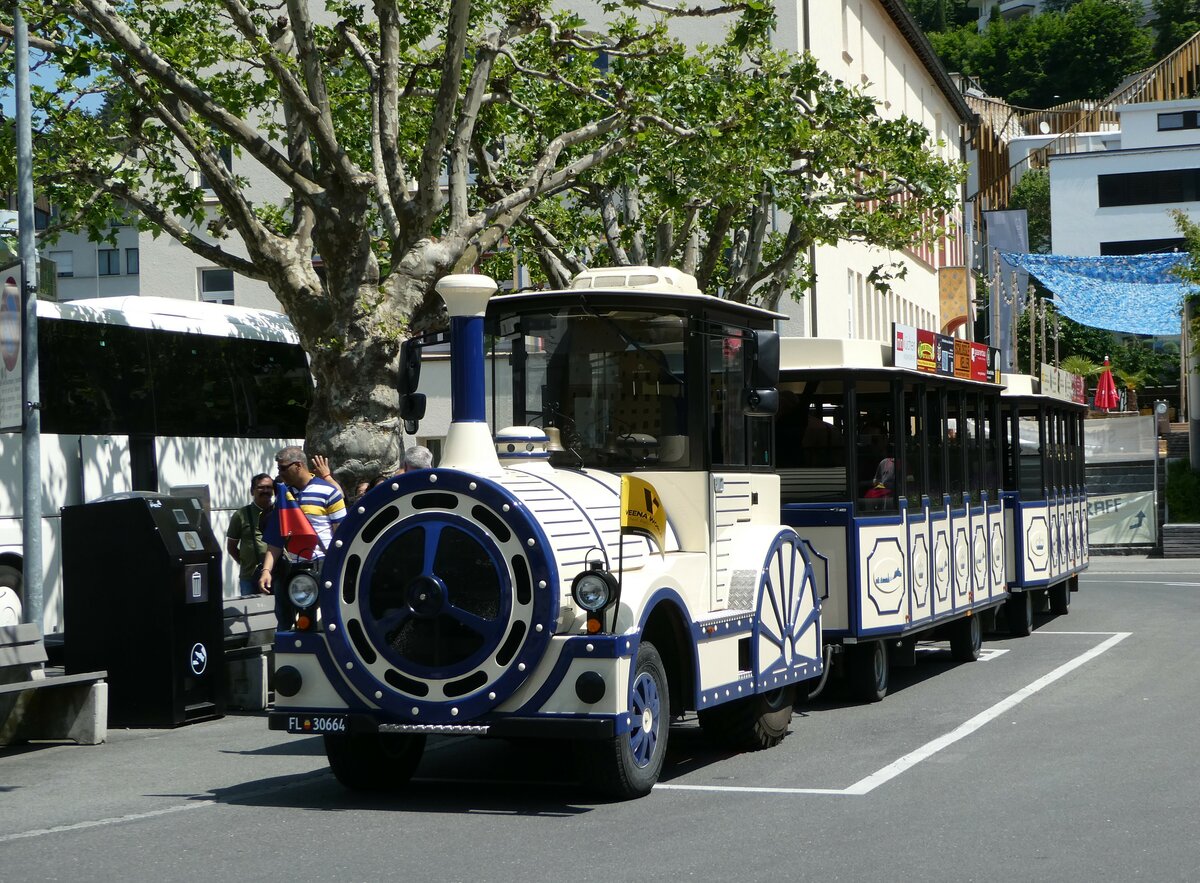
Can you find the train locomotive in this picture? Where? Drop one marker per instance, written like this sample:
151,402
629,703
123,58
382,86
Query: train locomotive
610,562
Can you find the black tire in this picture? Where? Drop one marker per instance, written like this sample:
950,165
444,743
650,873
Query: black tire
628,765
1018,610
12,578
753,723
1060,598
867,670
966,639
374,761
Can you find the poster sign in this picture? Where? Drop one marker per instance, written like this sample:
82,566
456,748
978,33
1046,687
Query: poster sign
962,359
12,325
979,361
904,346
934,353
926,351
1121,519
944,346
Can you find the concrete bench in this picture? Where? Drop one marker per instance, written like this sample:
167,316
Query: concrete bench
249,638
37,703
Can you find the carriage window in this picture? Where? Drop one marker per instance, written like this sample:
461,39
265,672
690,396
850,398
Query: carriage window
875,446
914,444
935,428
956,443
1029,470
973,444
810,441
992,450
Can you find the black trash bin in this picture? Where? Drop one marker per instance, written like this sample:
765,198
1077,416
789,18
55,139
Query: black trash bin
142,600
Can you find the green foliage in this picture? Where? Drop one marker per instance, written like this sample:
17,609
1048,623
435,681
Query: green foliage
1032,193
1053,57
1183,493
939,15
1080,365
1083,341
1174,23
1190,272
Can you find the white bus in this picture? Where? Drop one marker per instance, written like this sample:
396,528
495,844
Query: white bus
155,394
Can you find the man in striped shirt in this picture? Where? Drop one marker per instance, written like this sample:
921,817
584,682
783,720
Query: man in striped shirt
321,501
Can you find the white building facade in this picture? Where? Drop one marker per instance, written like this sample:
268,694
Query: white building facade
876,45
1117,200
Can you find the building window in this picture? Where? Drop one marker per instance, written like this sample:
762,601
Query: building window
64,261
132,265
1149,188
108,262
1184,119
226,154
1143,246
216,286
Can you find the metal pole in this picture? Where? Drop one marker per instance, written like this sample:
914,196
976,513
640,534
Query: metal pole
1031,308
31,459
1193,390
1042,305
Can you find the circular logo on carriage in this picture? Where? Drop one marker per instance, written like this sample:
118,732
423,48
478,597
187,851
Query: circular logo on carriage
10,323
198,659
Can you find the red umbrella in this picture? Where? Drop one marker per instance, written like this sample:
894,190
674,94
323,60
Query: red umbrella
1106,389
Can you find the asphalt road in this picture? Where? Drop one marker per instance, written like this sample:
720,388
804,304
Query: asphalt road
1068,755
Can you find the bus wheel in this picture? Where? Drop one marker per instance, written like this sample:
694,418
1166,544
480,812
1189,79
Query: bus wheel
628,765
753,723
374,761
12,578
966,639
867,668
1060,598
1019,611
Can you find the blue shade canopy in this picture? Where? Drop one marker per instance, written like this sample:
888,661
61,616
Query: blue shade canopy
1136,294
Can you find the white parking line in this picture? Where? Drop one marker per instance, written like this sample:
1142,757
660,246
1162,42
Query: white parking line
908,761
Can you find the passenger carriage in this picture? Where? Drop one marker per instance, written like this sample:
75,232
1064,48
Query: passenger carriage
1045,501
612,560
921,555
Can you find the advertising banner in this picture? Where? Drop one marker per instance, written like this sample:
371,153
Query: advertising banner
904,346
962,359
1121,519
12,327
926,351
979,361
944,347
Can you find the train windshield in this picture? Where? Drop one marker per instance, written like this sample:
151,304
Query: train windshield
611,381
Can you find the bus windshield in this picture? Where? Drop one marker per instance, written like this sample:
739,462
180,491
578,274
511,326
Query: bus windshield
610,381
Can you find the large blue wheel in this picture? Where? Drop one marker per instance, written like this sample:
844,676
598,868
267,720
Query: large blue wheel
630,763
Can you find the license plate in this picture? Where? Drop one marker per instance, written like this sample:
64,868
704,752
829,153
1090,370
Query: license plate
317,723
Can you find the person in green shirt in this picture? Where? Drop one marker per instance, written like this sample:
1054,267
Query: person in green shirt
244,539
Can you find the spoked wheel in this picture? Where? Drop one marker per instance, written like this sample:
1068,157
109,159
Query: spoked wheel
374,761
867,669
629,764
1018,609
966,639
753,723
1060,598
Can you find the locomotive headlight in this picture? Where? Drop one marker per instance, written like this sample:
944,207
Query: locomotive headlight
302,590
594,589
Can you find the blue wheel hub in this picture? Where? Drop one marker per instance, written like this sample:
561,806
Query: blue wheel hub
646,709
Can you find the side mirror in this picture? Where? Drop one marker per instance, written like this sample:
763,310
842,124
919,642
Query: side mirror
760,402
412,406
764,365
410,367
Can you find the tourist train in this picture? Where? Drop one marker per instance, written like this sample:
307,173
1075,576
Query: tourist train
686,513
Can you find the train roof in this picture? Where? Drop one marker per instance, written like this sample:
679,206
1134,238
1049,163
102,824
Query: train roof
175,314
1026,386
666,286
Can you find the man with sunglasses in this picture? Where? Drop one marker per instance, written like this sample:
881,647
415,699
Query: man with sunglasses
320,498
244,538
